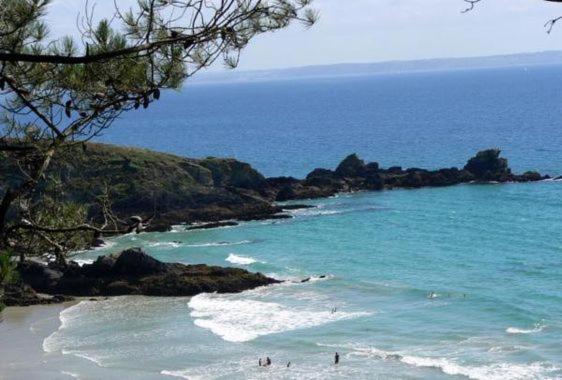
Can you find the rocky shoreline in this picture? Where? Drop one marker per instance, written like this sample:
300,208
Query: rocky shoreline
234,193
131,272
353,174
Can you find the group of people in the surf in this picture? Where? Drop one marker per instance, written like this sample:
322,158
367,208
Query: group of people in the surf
267,361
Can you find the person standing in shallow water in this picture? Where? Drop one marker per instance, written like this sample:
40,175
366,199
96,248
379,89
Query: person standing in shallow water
268,361
336,358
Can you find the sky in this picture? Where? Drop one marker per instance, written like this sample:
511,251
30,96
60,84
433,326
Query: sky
351,31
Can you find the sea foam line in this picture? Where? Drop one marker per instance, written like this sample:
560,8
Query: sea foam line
495,371
220,244
515,330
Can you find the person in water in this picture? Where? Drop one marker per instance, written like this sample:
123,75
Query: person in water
268,361
337,358
259,362
288,364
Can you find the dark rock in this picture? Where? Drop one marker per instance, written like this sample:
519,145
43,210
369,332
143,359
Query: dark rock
374,182
100,267
529,177
278,182
38,275
394,170
414,179
98,242
133,272
24,295
296,207
266,217
308,191
286,193
134,262
120,288
351,166
159,226
488,166
321,173
372,168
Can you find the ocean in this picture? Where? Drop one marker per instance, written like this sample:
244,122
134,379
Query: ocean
434,283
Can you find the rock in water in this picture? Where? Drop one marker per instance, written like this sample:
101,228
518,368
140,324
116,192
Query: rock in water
351,166
487,165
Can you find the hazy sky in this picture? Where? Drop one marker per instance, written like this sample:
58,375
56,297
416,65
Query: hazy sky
380,30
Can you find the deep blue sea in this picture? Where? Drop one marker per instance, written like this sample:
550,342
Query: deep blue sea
436,283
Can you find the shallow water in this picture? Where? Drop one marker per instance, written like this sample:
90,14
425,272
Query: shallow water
430,283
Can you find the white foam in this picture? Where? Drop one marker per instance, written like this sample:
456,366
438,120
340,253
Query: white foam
242,320
241,260
53,342
495,371
219,244
73,375
515,330
181,374
83,261
314,211
321,278
104,246
69,317
556,179
165,244
177,228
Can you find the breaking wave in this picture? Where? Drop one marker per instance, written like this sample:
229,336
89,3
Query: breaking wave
241,260
242,320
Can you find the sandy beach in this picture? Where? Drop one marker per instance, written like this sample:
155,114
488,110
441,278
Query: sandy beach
22,332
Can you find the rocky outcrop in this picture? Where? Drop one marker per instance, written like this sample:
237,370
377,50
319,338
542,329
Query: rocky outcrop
353,174
488,166
351,166
211,190
133,272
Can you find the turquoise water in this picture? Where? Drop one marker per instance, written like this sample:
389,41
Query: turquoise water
427,284
459,282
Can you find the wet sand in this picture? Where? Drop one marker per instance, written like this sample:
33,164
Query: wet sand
22,332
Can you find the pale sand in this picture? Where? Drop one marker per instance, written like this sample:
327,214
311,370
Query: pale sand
22,332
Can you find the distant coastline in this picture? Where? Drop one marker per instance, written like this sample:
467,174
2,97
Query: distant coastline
546,58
